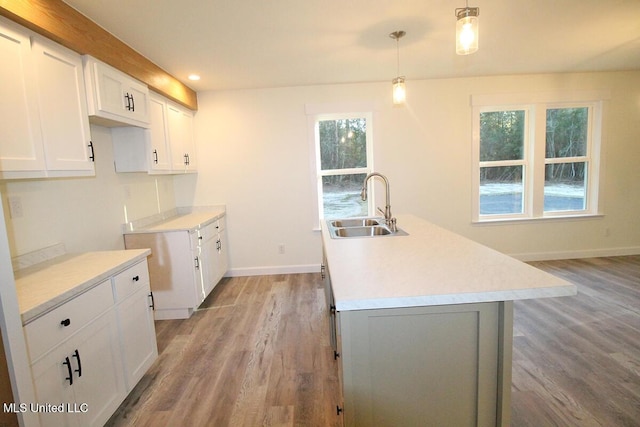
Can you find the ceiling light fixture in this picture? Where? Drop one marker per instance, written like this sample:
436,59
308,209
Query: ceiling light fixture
467,29
399,89
194,77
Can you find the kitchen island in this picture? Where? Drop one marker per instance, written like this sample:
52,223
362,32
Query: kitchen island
423,323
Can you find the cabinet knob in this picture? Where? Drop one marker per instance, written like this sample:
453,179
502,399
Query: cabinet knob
65,322
136,278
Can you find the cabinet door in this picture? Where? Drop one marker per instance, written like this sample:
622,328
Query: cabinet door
111,89
138,106
63,108
181,138
201,265
160,153
115,96
209,263
139,348
101,385
222,256
86,369
407,365
52,385
20,136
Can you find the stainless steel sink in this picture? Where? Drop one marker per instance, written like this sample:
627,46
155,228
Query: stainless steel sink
360,227
376,230
359,222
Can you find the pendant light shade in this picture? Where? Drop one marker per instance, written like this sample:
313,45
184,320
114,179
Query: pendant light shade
399,88
467,30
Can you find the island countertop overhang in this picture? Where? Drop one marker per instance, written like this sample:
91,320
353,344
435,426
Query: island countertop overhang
429,266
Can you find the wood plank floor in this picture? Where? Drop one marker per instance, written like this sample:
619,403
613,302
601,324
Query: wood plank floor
258,353
576,360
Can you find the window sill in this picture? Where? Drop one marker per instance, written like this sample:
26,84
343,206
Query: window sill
560,218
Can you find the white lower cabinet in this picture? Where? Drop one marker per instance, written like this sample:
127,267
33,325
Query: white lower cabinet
134,309
82,377
213,252
174,265
185,265
90,351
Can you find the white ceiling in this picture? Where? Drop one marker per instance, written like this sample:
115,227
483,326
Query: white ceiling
235,44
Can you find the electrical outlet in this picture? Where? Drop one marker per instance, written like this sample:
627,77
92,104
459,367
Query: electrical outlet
15,207
281,248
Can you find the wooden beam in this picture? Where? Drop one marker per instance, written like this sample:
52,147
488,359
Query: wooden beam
63,24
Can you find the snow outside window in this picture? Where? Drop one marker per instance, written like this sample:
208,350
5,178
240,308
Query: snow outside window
536,160
343,159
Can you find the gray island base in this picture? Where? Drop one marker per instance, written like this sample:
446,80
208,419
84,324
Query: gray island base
422,326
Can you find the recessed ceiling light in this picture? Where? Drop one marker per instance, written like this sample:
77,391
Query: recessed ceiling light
194,77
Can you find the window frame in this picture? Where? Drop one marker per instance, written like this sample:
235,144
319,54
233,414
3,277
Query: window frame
534,152
319,173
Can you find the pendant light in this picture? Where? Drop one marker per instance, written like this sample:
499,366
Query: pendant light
399,89
467,29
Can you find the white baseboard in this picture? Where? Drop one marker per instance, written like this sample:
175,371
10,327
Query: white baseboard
279,269
587,253
532,256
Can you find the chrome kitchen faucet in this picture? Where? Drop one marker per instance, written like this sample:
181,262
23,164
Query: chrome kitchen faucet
389,220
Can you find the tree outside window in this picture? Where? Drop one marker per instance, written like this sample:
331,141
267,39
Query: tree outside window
344,150
522,174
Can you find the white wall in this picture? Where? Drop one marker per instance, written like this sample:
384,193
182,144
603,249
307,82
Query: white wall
83,213
254,157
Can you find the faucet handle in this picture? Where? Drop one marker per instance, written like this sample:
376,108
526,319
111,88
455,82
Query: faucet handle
392,225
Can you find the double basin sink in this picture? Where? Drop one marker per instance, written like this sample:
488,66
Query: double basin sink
360,227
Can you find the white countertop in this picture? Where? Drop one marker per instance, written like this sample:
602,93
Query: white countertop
186,222
429,266
44,286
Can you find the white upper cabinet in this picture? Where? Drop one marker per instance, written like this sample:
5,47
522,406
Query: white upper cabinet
114,98
63,108
167,146
183,147
20,137
45,129
160,150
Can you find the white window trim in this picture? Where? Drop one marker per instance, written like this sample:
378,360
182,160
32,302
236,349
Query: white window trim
534,151
316,113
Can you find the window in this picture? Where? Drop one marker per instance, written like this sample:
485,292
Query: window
343,159
535,160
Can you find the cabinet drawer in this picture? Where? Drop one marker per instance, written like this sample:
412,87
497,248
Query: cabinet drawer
130,280
53,328
212,229
209,231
